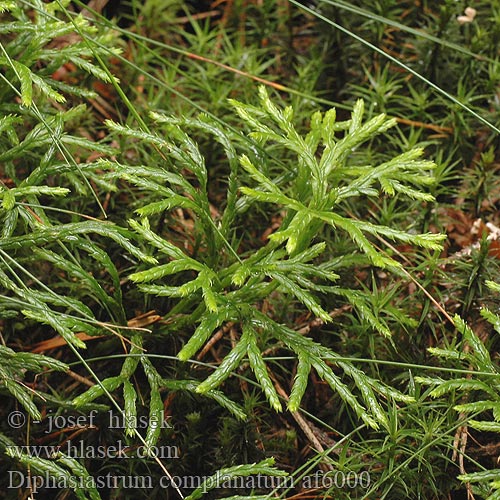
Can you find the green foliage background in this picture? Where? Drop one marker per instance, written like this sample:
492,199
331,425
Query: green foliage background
265,237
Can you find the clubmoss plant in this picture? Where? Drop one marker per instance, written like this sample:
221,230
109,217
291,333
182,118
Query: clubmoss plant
478,390
270,240
227,286
41,150
38,146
